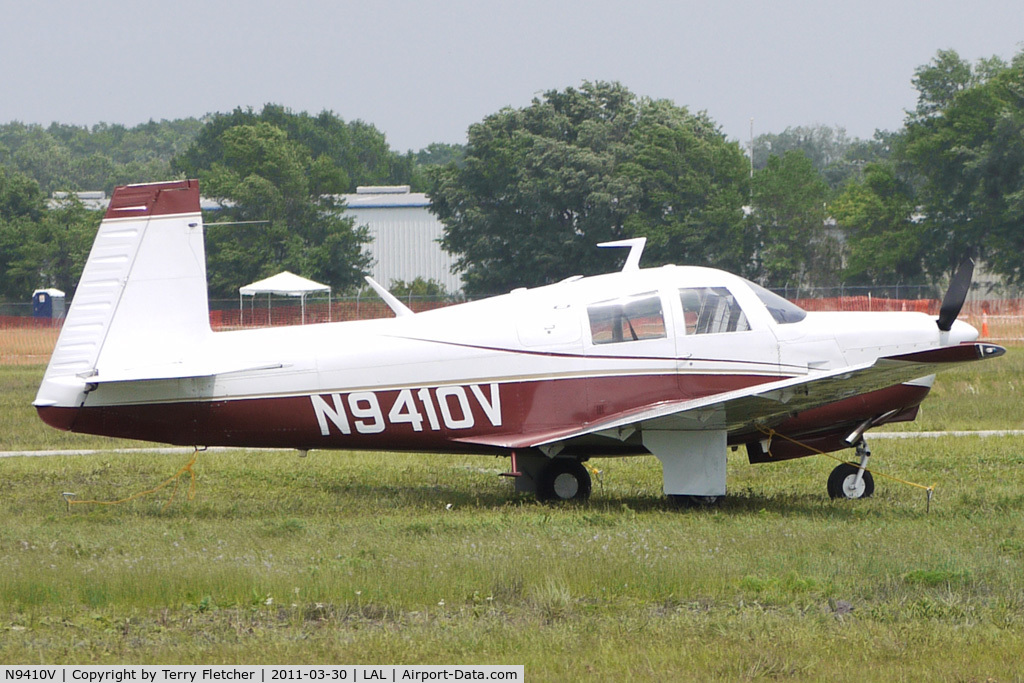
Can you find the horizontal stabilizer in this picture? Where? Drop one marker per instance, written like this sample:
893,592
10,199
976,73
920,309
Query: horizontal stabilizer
176,371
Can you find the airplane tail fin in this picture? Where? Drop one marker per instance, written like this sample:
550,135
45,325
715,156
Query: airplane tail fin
142,295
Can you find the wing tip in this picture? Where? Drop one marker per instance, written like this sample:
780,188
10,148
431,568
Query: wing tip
961,353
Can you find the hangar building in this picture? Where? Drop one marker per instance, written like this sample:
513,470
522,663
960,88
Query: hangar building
405,235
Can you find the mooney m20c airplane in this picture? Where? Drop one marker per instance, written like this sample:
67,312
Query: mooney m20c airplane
680,362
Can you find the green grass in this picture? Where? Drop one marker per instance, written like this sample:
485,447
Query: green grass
20,426
384,558
977,396
359,558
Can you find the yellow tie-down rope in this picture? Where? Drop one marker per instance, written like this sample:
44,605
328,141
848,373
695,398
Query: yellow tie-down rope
771,434
187,467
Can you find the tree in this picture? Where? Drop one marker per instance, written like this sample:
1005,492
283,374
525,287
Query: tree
355,152
63,157
418,287
690,189
19,196
537,190
835,155
788,223
885,244
434,154
21,204
16,283
939,82
822,145
40,248
60,246
540,186
966,143
440,153
261,175
46,161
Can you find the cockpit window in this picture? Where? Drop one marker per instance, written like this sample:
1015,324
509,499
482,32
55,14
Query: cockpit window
711,310
782,311
632,318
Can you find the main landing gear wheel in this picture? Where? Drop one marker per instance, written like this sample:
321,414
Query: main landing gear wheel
843,483
564,479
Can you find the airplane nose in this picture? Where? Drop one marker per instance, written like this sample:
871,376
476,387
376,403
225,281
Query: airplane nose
962,332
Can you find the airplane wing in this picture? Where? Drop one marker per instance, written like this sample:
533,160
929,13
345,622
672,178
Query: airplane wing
762,405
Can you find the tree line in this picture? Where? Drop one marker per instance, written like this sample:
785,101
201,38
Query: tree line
534,188
274,171
538,186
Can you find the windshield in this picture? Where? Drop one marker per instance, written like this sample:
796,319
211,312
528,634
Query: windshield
782,311
711,310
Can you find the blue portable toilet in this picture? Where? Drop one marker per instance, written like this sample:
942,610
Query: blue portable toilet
47,303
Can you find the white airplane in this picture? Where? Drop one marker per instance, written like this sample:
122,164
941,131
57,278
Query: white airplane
679,362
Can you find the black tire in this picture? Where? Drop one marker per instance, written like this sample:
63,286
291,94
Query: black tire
847,473
564,479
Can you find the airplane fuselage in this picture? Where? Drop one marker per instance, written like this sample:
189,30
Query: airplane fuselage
526,362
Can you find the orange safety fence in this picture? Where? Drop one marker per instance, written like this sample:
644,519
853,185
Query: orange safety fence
25,340
319,312
868,303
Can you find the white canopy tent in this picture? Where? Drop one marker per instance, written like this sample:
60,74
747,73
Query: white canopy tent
284,284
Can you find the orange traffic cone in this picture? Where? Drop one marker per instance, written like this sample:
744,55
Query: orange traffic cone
984,324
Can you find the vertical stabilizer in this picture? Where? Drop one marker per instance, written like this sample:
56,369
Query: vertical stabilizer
141,299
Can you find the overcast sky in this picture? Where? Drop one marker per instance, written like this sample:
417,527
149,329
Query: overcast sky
423,72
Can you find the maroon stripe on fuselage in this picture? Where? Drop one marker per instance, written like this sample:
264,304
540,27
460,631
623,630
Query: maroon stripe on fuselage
389,420
292,421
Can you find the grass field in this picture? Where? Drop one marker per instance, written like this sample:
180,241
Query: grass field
384,558
27,346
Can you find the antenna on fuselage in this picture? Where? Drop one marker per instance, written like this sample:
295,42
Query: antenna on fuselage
393,303
636,250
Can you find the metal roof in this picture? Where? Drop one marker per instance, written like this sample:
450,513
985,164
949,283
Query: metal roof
384,197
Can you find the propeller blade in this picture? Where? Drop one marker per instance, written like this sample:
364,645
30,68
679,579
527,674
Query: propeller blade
955,295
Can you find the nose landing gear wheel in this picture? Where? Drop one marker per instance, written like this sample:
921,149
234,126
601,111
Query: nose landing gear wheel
564,479
842,483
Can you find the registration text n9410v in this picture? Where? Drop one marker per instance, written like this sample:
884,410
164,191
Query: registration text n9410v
372,412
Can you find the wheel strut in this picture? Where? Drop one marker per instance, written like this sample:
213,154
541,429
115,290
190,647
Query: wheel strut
863,452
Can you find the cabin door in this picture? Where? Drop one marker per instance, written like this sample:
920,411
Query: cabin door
719,346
